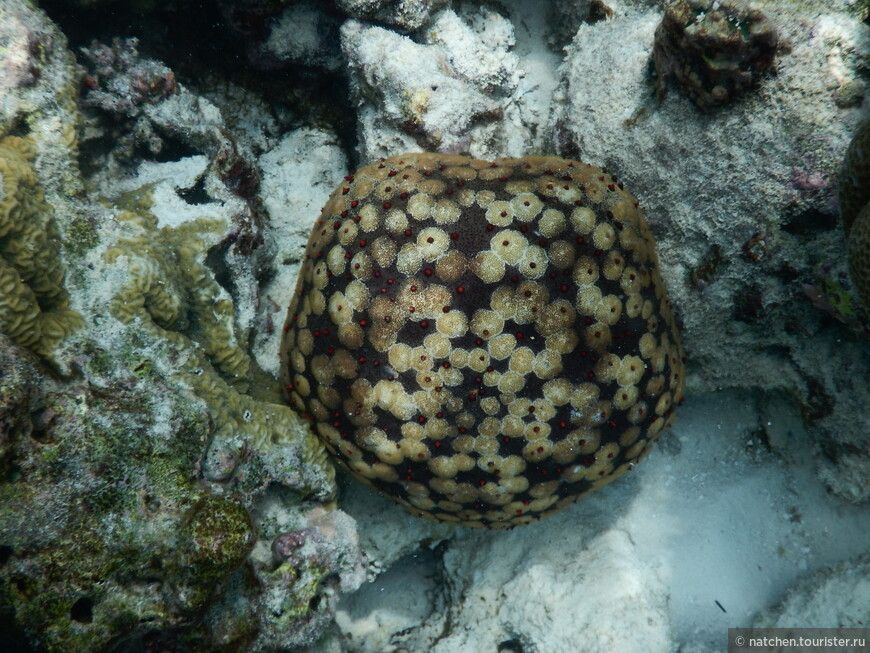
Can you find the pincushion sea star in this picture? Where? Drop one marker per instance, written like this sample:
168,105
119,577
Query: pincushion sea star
483,341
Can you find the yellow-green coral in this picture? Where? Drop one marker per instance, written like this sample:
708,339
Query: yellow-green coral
170,284
174,295
854,194
34,309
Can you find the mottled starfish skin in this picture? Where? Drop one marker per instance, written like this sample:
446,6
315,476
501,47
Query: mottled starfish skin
483,341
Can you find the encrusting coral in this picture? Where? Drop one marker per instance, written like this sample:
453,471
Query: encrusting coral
169,283
854,195
171,293
34,310
483,341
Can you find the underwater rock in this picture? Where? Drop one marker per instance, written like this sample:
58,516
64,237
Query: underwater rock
565,16
483,342
722,195
303,34
431,95
20,389
483,60
836,597
120,81
98,481
403,15
713,50
854,195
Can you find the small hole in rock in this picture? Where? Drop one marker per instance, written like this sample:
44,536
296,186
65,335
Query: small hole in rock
196,194
42,420
151,502
14,474
510,646
82,610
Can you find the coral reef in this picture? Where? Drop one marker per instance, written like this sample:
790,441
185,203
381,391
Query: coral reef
169,285
483,342
143,485
154,108
155,494
216,453
854,195
714,51
113,524
34,309
158,113
92,537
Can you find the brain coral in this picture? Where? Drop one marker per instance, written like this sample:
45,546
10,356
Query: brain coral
854,193
34,308
483,341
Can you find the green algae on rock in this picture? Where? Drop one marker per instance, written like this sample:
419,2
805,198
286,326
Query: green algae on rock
218,535
98,480
148,463
483,341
